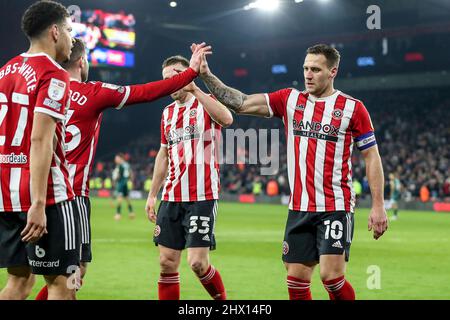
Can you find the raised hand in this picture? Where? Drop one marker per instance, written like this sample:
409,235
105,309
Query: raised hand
204,68
199,52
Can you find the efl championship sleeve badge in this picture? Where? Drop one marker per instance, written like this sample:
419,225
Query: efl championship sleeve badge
56,89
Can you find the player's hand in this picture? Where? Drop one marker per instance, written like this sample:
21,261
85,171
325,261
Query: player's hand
378,221
36,224
199,52
204,67
150,208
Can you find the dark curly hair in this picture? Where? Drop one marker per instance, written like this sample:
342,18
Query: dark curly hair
41,15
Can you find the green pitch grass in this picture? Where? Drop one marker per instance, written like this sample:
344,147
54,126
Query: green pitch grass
413,256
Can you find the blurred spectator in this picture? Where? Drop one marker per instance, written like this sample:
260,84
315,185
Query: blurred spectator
424,193
272,188
257,186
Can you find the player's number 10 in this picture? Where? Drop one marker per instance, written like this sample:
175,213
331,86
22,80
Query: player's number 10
336,229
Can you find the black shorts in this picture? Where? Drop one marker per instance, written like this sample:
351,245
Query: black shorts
13,252
181,225
309,235
56,253
84,209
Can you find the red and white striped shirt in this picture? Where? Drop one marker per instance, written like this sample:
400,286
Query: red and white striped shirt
84,119
320,133
29,84
192,138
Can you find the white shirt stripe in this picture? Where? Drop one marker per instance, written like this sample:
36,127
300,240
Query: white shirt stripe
59,189
165,116
291,103
187,158
200,156
320,160
303,150
72,171
340,144
175,163
14,187
214,173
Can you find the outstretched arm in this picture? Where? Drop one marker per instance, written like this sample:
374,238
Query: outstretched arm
241,103
216,110
233,99
151,91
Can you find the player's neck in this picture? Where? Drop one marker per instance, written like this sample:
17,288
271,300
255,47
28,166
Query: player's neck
74,75
184,99
326,93
40,47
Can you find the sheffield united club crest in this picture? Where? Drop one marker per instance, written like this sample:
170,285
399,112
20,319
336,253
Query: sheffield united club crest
337,114
285,248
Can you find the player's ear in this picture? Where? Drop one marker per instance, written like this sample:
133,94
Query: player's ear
54,32
80,62
334,72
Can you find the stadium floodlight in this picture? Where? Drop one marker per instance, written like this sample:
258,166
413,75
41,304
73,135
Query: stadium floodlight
298,1
266,5
173,4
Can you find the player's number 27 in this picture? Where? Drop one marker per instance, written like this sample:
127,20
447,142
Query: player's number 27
21,100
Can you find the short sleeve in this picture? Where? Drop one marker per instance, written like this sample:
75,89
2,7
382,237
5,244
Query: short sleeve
53,94
163,133
362,128
277,101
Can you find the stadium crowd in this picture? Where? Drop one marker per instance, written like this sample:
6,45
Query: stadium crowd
413,134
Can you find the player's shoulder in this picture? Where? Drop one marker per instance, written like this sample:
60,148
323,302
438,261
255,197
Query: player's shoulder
287,92
13,60
349,97
44,63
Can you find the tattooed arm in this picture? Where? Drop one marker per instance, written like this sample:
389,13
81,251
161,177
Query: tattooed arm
233,99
